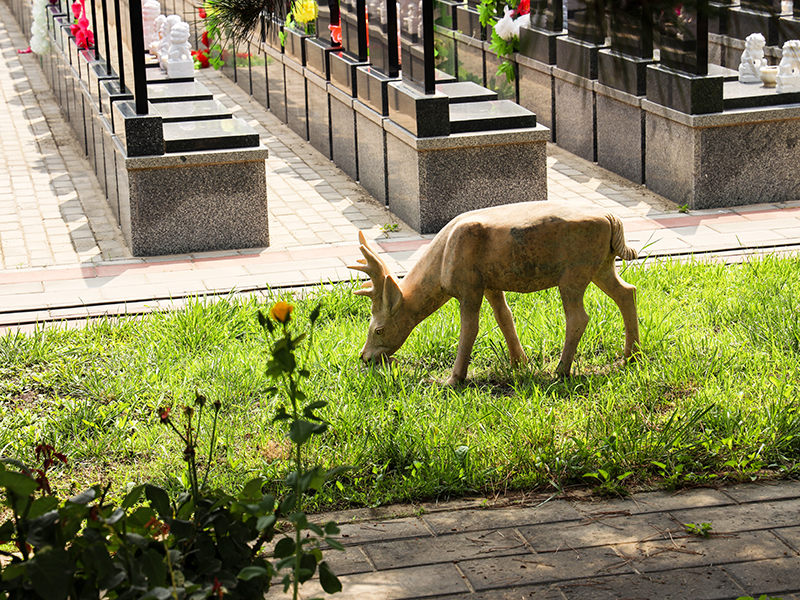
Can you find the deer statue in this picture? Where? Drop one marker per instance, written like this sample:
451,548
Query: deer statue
522,247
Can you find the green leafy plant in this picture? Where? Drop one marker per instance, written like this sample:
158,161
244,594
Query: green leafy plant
505,25
702,530
205,543
302,555
609,484
683,209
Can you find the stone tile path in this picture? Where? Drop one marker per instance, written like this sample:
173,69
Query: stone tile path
563,549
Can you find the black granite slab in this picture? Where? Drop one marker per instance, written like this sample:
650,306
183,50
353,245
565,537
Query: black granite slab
444,77
373,89
177,92
539,44
743,22
141,135
465,91
690,94
490,115
753,95
423,115
718,18
110,93
788,29
199,110
577,57
218,134
623,72
683,40
469,23
587,23
318,56
294,45
446,59
445,14
343,72
158,75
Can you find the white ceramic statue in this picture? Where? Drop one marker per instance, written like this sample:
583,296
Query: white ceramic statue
164,44
752,59
150,10
179,61
788,79
158,30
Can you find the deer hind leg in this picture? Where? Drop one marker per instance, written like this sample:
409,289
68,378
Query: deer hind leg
577,319
624,295
505,320
470,313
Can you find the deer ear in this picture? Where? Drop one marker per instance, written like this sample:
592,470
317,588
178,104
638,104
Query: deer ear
392,295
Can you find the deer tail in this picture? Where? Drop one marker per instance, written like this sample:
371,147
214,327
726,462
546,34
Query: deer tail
618,245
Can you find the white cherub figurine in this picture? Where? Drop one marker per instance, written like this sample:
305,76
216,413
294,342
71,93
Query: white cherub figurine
179,59
789,68
158,30
752,59
150,10
164,44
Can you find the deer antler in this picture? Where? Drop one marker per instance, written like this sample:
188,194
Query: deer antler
372,265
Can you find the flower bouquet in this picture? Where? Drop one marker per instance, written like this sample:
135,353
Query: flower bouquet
505,29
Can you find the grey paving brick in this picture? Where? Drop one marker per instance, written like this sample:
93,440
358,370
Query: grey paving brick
748,517
497,518
508,571
392,529
447,548
767,490
777,576
599,530
691,584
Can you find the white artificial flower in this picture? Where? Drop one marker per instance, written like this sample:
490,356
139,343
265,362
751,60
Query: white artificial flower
523,21
505,26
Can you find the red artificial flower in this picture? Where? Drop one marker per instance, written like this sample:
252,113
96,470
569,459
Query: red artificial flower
76,10
204,39
524,7
164,412
202,12
336,33
217,588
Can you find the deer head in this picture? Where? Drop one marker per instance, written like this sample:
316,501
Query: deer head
387,330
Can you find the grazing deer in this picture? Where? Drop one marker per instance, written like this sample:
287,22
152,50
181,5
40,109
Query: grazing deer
522,247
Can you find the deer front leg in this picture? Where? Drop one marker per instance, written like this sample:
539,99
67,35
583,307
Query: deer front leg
577,319
470,311
505,320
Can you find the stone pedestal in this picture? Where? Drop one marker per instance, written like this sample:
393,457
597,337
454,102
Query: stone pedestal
373,168
728,159
442,177
539,44
575,118
319,113
194,202
277,83
620,133
537,91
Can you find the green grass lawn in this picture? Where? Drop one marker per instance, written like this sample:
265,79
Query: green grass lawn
713,397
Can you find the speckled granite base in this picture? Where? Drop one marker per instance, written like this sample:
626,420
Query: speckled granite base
296,97
371,151
319,113
429,182
196,207
575,114
343,131
537,91
620,134
277,84
726,159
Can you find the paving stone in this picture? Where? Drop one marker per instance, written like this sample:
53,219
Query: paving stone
691,584
447,548
507,571
392,529
777,576
655,502
748,517
497,518
598,530
767,490
682,552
